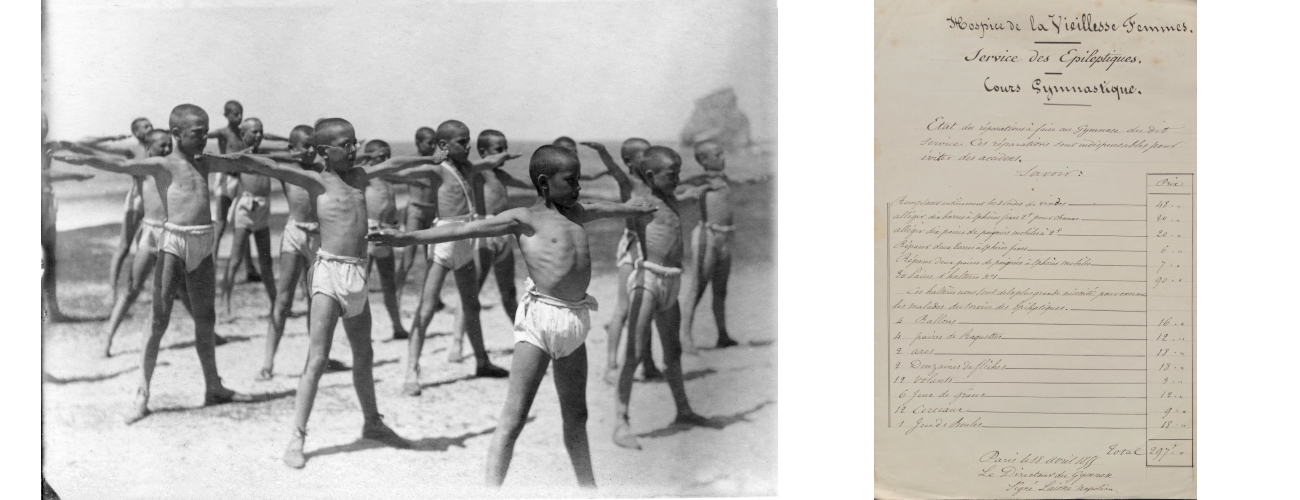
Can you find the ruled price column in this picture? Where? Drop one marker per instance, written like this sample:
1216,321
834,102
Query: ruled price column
1170,315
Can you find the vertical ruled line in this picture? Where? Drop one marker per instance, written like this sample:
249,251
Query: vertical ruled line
1146,303
889,325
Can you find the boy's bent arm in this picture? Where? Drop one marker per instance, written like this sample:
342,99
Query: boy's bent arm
507,222
624,183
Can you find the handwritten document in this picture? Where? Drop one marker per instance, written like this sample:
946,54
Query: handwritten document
1035,249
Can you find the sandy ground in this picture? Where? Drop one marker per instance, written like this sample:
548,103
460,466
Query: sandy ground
185,450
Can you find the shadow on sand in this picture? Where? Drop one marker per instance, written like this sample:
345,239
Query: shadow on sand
438,443
46,377
439,383
716,422
259,397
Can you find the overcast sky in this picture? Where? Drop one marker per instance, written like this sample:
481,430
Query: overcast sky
533,69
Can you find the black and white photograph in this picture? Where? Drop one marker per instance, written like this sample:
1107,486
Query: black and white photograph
407,249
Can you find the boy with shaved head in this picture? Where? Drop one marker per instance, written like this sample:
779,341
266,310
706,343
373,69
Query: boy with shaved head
134,202
455,204
49,232
628,251
252,215
421,208
338,281
181,179
711,241
495,254
230,139
381,208
553,318
298,245
653,288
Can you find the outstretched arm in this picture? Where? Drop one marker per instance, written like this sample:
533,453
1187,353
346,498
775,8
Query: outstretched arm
70,177
593,210
399,163
492,161
507,222
510,181
90,141
242,162
624,182
693,191
143,166
273,137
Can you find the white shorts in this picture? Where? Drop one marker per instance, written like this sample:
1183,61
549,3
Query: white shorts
557,327
191,243
252,212
301,238
628,250
660,282
151,236
721,237
342,279
453,255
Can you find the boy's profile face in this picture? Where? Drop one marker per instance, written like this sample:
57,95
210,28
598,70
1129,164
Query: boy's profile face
495,145
160,146
251,133
341,151
424,144
380,155
562,188
192,135
710,156
300,147
661,173
458,147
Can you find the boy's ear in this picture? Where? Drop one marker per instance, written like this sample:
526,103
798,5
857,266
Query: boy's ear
543,183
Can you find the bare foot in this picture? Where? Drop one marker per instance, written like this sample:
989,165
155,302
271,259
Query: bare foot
335,365
725,342
455,353
490,370
624,438
376,430
400,334
140,410
263,375
107,349
293,456
411,389
223,395
690,419
688,346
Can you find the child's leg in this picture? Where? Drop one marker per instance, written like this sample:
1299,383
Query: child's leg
324,312
201,285
262,238
219,223
49,285
721,274
505,273
363,380
527,368
289,267
389,284
696,280
414,222
429,302
667,322
454,353
166,276
130,232
232,264
638,345
614,328
571,386
467,283
140,267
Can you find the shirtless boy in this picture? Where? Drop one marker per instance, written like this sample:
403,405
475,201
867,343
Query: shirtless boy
134,202
381,209
298,245
653,289
628,252
554,316
252,215
421,209
158,144
49,211
711,241
338,281
495,254
182,182
455,199
230,139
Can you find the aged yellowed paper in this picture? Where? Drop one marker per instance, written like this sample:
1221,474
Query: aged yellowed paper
1035,249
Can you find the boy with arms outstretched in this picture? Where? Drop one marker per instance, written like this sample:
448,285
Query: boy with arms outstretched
711,241
338,281
455,204
628,251
134,211
421,209
298,245
252,215
230,139
49,232
653,289
381,208
495,254
553,318
181,179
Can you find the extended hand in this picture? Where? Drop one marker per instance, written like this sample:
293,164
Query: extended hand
73,158
439,155
386,238
594,145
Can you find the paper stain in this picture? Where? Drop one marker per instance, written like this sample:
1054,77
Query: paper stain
881,226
